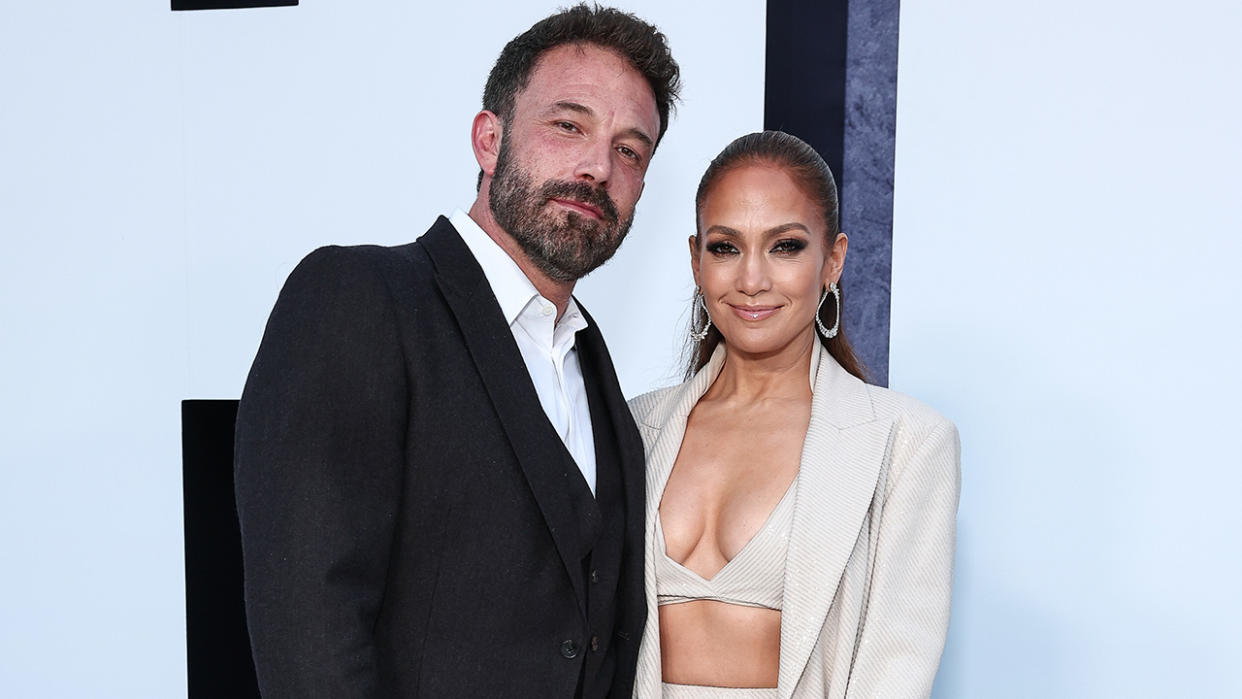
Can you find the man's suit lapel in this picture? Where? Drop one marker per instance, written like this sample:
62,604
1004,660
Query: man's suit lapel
499,362
845,449
597,369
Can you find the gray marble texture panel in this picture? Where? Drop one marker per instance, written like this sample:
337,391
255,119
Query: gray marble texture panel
867,178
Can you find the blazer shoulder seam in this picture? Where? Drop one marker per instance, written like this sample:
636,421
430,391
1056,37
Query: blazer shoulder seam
647,407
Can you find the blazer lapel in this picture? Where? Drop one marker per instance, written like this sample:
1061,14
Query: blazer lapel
499,362
669,421
845,448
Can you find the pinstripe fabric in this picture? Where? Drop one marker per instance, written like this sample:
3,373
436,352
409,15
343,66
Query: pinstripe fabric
755,577
870,561
694,691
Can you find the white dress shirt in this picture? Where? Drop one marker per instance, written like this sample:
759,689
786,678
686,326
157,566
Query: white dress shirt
547,346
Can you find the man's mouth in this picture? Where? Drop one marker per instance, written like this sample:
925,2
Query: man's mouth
581,207
582,199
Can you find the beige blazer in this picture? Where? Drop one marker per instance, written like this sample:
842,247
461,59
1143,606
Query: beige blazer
870,562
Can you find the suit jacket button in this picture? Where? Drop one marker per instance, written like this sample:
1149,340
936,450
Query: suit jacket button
595,576
595,644
569,649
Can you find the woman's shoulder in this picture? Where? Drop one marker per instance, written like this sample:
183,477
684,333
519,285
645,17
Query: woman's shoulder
906,410
646,408
921,436
848,400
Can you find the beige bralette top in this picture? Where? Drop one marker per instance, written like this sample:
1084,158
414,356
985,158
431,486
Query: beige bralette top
755,577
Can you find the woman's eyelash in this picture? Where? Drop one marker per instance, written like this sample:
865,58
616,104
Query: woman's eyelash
790,245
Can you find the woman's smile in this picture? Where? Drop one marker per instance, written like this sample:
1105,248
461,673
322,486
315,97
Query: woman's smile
754,313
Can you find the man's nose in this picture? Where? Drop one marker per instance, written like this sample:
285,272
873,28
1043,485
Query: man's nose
595,162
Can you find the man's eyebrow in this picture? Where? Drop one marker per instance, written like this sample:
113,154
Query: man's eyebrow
638,135
574,107
634,133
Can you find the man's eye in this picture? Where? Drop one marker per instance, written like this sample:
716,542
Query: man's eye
627,152
566,126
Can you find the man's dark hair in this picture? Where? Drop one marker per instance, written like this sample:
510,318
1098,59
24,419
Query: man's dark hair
638,42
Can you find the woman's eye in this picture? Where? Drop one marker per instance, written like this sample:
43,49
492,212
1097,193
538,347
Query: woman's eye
721,248
789,246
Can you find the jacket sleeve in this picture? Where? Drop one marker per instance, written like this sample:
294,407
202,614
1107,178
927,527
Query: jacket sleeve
318,462
906,619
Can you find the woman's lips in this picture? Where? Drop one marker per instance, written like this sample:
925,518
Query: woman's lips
580,207
754,312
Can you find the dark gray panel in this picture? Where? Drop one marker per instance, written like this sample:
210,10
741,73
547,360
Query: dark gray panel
867,177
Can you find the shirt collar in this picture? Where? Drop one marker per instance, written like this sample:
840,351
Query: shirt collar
513,290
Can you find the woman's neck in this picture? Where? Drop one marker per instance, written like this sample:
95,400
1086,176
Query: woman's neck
783,374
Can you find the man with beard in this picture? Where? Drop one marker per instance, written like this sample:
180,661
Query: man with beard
439,484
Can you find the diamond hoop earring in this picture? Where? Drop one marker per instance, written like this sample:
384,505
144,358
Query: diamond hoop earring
699,335
829,333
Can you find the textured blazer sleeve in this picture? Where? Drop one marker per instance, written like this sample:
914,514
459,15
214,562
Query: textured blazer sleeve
906,617
319,462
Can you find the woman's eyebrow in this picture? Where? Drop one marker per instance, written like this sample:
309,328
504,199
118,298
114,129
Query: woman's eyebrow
774,230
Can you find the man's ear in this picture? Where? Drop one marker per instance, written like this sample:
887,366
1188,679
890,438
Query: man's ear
485,135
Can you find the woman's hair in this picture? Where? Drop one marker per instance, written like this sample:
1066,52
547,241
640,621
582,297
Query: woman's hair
799,160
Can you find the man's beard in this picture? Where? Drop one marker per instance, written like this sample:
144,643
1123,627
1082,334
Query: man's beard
564,249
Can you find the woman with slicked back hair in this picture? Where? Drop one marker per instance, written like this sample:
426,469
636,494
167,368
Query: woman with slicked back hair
800,522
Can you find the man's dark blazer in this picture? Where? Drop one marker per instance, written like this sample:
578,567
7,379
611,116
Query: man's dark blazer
412,525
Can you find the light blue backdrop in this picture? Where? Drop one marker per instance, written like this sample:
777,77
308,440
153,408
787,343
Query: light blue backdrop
160,175
1066,287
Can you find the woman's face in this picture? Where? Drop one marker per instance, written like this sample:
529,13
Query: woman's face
762,259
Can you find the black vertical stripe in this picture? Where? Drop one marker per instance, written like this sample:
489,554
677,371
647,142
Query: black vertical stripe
831,80
218,661
804,79
178,5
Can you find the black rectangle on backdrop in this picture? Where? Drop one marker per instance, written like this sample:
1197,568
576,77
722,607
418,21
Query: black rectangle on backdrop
831,80
804,77
228,4
218,661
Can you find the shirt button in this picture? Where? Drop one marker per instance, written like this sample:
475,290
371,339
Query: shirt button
595,576
548,310
595,644
569,649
